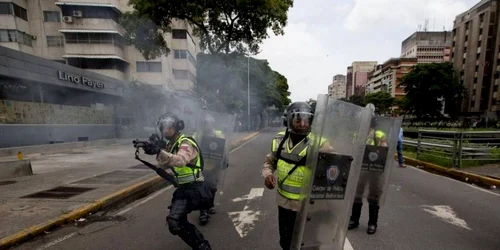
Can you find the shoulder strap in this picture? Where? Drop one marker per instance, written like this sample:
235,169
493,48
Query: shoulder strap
278,155
200,154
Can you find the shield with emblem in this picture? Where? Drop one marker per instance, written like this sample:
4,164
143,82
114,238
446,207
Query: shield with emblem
331,175
214,134
377,162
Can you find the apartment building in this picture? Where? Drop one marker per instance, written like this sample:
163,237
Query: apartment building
338,87
385,77
348,82
87,34
476,57
360,71
428,46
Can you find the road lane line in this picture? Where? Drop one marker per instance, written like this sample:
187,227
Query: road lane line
56,241
245,143
447,178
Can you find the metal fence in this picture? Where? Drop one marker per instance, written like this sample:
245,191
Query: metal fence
456,148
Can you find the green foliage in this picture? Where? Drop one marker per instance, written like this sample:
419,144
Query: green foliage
222,84
426,84
383,101
223,25
355,99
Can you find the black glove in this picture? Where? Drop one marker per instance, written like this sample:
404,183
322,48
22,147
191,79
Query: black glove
152,149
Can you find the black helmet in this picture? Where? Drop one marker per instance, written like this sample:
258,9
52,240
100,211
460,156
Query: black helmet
298,111
170,120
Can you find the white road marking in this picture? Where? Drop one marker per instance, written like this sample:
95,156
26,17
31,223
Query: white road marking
347,245
463,183
447,214
245,143
244,221
56,241
130,207
254,193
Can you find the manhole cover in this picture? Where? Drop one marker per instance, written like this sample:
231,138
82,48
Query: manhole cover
3,183
112,178
59,193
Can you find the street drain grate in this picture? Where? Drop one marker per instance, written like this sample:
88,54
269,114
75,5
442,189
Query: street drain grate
141,166
4,183
59,193
113,178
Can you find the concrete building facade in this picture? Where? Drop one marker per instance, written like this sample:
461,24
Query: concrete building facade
428,46
348,82
360,71
476,57
87,34
338,87
385,77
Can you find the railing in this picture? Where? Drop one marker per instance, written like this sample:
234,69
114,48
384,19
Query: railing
456,148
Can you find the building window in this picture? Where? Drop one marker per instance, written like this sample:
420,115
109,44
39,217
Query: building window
87,63
52,16
179,34
5,9
12,8
95,38
180,74
20,12
55,41
15,36
148,66
180,54
92,12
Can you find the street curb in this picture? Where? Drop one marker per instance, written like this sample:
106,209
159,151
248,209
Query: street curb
106,201
453,173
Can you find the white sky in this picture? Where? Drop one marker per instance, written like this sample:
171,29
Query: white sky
323,37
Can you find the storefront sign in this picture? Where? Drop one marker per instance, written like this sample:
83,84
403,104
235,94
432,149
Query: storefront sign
80,80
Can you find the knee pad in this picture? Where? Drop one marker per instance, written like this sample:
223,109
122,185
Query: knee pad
173,226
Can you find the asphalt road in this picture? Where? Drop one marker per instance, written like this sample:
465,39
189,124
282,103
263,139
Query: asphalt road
422,211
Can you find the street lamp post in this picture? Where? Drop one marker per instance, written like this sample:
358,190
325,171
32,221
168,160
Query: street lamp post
248,90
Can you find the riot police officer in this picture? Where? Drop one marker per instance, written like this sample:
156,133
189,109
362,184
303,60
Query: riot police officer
288,156
182,157
376,137
208,129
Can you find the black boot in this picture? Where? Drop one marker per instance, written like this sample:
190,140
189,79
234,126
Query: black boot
373,219
355,214
204,217
204,246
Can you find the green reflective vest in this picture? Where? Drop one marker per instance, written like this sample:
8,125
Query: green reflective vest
292,185
188,173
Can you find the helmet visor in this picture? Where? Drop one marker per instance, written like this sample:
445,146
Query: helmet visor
299,122
165,123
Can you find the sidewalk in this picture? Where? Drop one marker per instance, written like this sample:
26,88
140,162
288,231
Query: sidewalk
489,170
86,179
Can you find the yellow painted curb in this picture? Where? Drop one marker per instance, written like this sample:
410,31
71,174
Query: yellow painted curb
76,214
38,229
456,174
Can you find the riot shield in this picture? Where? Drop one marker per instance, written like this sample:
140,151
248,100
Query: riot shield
214,134
377,163
331,174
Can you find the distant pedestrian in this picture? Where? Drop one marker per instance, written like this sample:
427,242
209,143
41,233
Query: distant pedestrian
400,148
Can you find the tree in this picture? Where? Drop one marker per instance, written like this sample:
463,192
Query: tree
427,85
223,25
312,102
355,99
383,101
222,84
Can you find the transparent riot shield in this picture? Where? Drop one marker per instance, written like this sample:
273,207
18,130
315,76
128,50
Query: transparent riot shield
378,162
214,134
332,174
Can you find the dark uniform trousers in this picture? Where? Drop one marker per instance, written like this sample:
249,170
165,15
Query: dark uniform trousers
286,221
374,190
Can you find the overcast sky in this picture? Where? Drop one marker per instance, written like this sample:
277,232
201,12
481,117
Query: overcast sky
323,37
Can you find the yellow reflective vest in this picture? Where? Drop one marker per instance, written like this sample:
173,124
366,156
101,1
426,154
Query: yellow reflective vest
188,173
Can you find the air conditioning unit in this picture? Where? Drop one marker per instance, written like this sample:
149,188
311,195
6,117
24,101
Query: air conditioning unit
67,19
77,13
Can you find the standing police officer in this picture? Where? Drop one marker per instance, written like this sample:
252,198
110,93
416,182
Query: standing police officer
182,157
288,156
376,137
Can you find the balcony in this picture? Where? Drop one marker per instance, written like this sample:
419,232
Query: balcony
93,24
93,49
